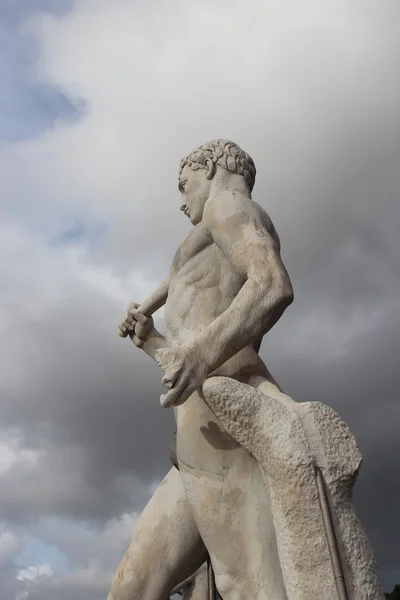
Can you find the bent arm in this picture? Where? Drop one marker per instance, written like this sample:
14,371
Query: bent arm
237,227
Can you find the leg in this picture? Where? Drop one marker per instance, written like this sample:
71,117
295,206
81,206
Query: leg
165,549
230,503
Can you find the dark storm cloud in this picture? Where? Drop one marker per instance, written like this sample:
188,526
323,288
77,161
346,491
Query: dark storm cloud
93,405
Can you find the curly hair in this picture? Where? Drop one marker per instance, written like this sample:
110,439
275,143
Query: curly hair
226,154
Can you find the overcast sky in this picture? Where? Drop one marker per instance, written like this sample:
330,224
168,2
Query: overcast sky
99,101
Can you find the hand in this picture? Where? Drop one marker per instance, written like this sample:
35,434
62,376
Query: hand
184,373
127,324
136,324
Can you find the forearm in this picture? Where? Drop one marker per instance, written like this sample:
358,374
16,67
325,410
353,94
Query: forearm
154,342
156,300
253,312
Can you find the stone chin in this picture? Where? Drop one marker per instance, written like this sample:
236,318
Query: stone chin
194,220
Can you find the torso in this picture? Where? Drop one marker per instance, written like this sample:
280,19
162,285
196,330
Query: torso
203,284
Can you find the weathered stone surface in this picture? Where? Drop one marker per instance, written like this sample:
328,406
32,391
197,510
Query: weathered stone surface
289,440
336,453
165,548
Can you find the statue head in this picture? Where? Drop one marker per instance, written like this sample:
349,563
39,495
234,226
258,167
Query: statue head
198,169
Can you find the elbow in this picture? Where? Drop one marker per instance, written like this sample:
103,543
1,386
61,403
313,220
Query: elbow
287,294
284,295
276,291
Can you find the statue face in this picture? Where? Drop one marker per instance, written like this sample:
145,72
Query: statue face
195,190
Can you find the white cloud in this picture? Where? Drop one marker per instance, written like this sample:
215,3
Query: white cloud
37,275
92,552
35,572
13,455
214,69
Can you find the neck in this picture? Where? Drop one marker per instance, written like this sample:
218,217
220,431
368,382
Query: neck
224,181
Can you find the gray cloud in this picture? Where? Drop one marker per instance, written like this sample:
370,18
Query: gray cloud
311,93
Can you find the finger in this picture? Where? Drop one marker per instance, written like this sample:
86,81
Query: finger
132,306
122,322
171,398
169,380
187,392
129,319
168,399
126,326
140,317
137,341
121,332
141,330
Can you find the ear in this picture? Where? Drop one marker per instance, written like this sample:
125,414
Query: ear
210,168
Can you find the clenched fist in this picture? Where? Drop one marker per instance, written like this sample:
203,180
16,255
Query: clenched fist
136,324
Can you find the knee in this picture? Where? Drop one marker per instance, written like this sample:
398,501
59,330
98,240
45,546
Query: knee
129,582
135,581
129,589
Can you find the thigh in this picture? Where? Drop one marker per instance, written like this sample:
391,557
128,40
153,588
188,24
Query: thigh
229,499
165,548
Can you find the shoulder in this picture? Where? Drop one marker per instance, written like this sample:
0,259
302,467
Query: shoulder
233,210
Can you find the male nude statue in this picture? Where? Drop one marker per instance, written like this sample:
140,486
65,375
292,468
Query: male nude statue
227,287
259,474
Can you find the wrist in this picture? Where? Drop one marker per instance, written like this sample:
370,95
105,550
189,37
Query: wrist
201,354
154,342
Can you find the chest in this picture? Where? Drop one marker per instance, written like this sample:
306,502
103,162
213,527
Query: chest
197,246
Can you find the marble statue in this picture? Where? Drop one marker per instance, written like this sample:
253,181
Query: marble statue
264,484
